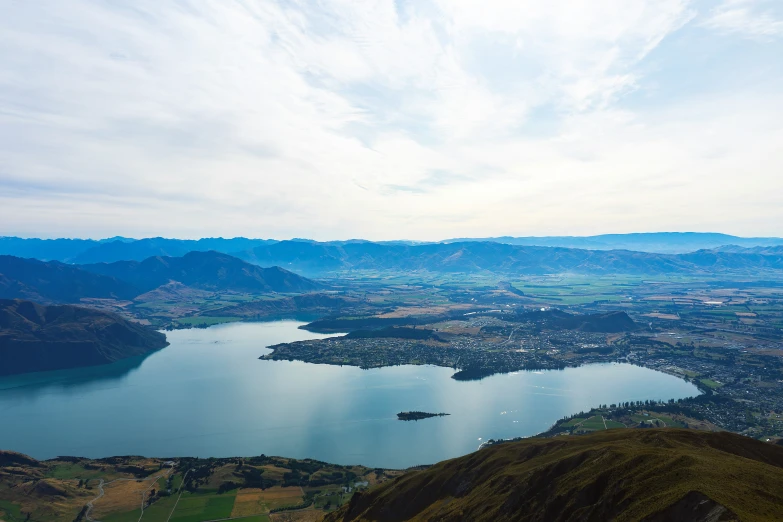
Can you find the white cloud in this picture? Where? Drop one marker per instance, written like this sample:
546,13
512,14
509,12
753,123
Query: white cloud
375,119
750,18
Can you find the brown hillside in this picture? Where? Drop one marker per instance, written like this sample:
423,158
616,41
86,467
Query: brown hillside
615,475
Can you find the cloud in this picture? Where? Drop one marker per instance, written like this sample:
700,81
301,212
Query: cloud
752,19
383,119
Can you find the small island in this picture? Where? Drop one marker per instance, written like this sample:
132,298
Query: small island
416,415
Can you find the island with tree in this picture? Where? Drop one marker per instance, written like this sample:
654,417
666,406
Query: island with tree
416,415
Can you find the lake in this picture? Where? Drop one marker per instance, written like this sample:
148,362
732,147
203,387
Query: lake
208,395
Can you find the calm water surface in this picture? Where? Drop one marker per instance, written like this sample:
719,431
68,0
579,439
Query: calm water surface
207,394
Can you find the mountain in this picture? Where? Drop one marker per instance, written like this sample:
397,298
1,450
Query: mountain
118,248
44,249
652,475
36,338
764,250
205,271
317,259
657,242
142,249
56,282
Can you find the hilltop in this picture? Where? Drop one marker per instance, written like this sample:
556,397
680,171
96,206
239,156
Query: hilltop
36,338
652,475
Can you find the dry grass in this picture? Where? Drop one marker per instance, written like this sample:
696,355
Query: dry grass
49,499
252,501
123,495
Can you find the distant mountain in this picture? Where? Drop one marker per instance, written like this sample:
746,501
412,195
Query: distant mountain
35,338
44,249
656,242
56,282
118,248
205,271
651,475
142,249
763,250
469,257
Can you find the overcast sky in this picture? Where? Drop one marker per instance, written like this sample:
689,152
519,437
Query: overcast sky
379,119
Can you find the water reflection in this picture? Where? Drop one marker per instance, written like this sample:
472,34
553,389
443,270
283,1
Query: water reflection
73,380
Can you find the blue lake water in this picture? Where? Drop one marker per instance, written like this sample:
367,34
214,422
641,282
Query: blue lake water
208,395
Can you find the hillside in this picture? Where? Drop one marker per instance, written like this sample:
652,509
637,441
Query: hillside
206,271
652,475
610,322
36,338
56,282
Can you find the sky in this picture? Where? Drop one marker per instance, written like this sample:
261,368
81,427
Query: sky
422,119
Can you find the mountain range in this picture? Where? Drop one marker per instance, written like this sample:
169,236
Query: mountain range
319,259
653,475
53,281
655,242
85,251
35,338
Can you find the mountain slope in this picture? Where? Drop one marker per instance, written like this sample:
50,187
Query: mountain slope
35,338
204,270
652,475
56,282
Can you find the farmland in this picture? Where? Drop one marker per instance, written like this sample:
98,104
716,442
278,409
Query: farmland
256,489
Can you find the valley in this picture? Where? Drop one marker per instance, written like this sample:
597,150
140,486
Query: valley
259,360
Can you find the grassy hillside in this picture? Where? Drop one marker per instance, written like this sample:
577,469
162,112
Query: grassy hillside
620,475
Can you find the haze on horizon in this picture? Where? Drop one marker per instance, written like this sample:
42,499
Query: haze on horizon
386,120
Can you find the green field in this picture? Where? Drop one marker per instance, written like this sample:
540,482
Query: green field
10,511
208,320
710,383
595,423
160,510
196,507
253,518
128,516
72,470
